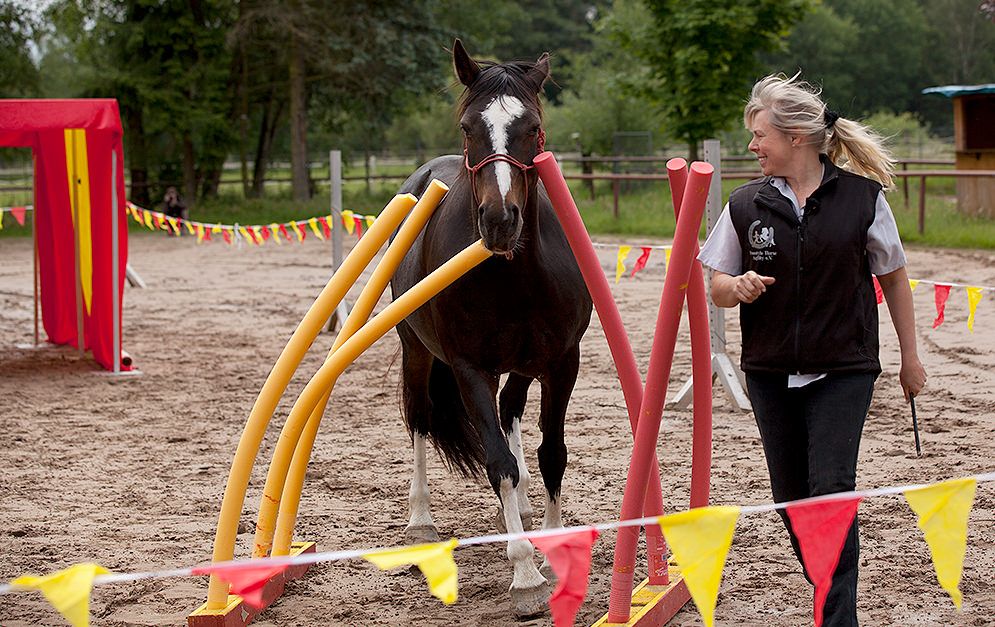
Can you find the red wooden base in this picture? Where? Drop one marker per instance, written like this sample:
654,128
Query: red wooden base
654,606
237,613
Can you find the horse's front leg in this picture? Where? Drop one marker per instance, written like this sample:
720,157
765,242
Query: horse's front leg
529,589
512,407
557,386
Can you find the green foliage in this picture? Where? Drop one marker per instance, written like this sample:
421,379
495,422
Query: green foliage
701,56
18,74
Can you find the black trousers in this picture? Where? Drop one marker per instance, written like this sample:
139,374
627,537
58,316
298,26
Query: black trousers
811,437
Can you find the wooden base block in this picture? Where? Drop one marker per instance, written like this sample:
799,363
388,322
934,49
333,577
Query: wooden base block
654,605
237,613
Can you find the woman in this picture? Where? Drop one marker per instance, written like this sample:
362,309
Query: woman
796,250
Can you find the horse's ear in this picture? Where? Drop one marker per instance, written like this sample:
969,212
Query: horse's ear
539,73
466,68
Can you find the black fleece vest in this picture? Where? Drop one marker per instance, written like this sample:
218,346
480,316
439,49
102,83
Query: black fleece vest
821,314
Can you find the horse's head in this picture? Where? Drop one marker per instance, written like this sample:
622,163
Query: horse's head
501,119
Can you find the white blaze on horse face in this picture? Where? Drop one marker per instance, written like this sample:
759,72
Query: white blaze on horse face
498,115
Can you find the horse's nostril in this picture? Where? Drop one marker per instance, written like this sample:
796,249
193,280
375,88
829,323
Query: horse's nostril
513,211
480,211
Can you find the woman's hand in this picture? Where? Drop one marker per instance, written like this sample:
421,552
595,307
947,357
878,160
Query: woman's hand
912,376
750,286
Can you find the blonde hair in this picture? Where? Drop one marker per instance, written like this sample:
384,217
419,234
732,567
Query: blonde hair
794,107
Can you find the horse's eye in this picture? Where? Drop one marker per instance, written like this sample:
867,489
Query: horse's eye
465,129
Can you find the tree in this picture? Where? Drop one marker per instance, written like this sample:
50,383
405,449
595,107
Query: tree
18,74
702,57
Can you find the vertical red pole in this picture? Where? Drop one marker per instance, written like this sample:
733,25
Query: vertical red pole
661,360
701,355
618,340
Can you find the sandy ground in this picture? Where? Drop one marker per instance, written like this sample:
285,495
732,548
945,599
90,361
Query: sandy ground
129,472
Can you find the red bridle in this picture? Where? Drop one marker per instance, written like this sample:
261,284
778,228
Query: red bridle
500,156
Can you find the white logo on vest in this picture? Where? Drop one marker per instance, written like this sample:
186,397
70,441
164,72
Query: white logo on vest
761,239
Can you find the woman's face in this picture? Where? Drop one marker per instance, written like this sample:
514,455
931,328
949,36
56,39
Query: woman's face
774,149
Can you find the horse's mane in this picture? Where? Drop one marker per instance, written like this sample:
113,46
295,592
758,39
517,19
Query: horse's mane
502,78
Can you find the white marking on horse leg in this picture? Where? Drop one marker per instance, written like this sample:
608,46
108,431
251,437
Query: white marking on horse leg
498,115
551,520
520,552
419,500
524,479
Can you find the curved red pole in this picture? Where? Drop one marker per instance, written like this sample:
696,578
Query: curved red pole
618,341
701,355
661,360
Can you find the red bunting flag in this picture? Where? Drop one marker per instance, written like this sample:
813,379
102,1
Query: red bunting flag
878,292
283,232
18,213
359,227
642,261
940,295
821,528
207,234
324,227
263,230
570,556
247,582
227,235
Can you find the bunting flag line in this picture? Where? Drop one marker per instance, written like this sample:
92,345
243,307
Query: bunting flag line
246,581
435,561
67,590
943,510
821,528
569,555
940,295
623,252
700,539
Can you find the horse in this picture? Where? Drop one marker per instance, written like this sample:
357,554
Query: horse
521,313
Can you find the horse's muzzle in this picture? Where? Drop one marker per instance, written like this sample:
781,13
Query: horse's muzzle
500,227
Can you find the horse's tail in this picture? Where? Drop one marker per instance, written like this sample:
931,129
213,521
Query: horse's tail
451,430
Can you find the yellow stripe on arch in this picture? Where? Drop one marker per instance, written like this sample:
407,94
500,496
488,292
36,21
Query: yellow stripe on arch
78,171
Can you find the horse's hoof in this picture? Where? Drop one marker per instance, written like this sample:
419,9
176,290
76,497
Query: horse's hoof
527,602
421,534
547,571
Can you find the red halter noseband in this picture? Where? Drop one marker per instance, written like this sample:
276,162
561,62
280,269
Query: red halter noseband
500,156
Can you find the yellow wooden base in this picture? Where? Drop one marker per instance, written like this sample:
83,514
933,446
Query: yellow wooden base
654,605
239,614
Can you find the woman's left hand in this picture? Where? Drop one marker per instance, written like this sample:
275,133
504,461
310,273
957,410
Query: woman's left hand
912,376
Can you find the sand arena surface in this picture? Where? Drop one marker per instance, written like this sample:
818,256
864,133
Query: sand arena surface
129,472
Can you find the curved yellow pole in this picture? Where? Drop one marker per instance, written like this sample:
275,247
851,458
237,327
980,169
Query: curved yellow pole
329,372
279,377
289,503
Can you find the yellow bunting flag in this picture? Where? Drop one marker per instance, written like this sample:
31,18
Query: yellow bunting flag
348,222
257,235
666,255
148,218
216,228
190,228
434,560
173,223
297,230
1,219
700,539
274,230
943,509
200,233
973,298
313,223
67,590
623,252
370,220
245,233
913,283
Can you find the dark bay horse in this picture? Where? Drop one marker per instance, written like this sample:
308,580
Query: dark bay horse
520,313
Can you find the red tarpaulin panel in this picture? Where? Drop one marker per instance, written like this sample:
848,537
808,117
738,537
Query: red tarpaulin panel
73,142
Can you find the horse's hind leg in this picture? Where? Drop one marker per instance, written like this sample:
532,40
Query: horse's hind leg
512,406
416,366
529,589
557,386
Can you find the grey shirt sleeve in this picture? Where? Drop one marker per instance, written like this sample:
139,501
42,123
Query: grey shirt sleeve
722,251
884,247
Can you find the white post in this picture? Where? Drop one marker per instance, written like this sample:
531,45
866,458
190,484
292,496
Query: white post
335,180
723,368
115,261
